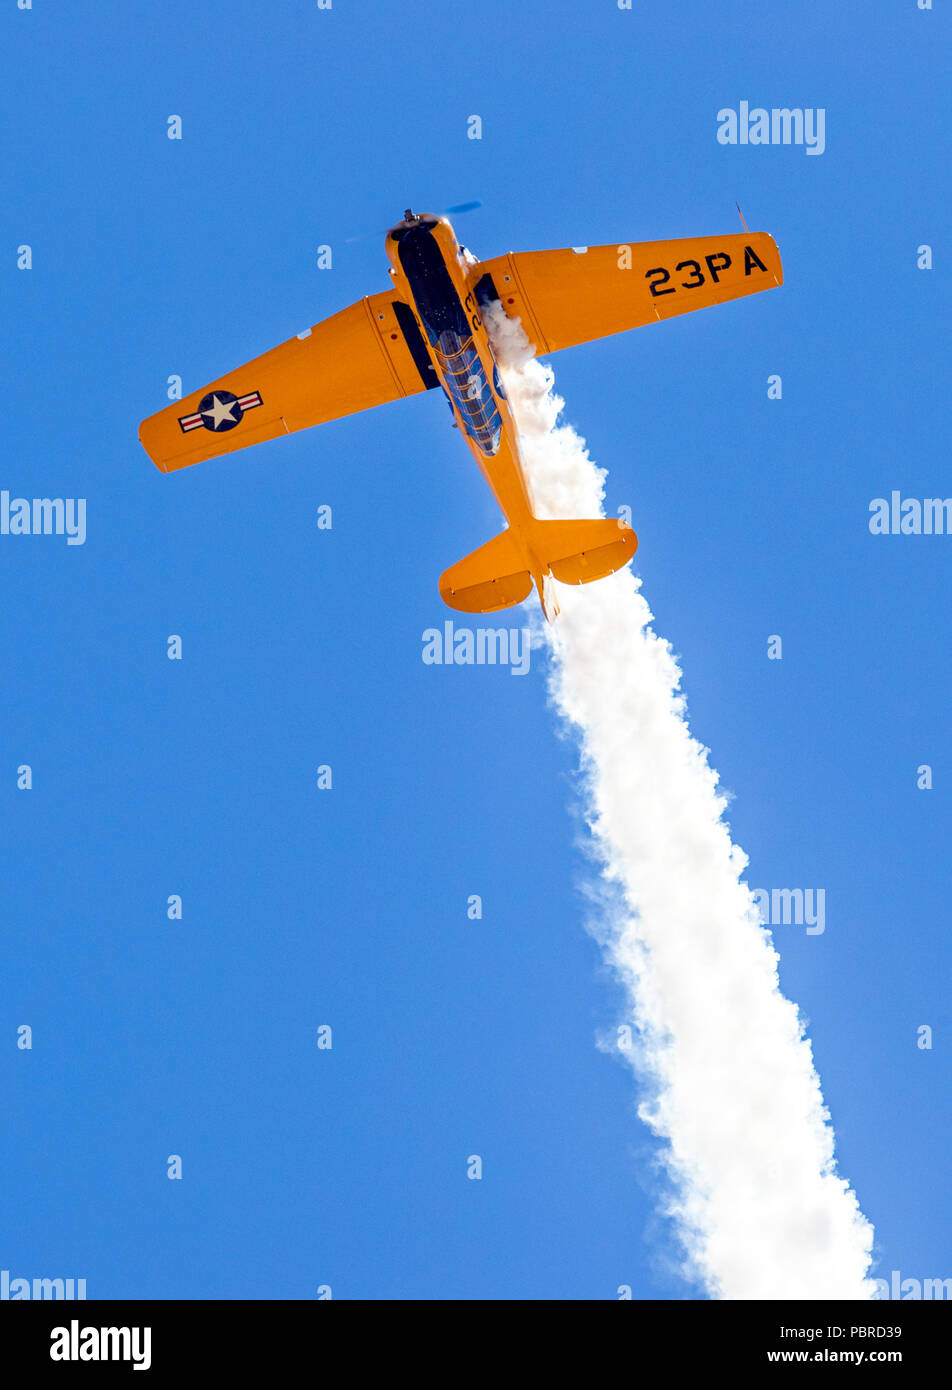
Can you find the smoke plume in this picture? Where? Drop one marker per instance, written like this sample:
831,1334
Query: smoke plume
728,1074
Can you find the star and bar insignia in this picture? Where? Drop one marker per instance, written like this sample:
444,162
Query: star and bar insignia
220,410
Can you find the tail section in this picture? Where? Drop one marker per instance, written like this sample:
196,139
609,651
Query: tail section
494,576
576,552
501,572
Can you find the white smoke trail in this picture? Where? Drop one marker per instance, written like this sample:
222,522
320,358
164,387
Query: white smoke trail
734,1095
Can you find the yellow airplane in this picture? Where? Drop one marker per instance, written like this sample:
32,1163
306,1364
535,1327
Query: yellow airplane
427,330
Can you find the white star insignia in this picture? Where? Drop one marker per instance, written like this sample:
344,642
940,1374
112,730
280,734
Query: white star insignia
220,410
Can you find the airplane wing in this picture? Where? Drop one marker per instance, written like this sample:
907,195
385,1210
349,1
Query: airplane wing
368,354
572,296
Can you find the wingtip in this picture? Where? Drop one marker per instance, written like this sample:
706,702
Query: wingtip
160,465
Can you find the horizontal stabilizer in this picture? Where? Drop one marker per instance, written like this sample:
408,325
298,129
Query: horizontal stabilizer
500,573
576,552
494,576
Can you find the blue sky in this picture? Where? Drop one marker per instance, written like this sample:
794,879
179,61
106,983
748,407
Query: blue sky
347,907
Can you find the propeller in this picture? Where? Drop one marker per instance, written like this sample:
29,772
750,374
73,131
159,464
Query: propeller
454,211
